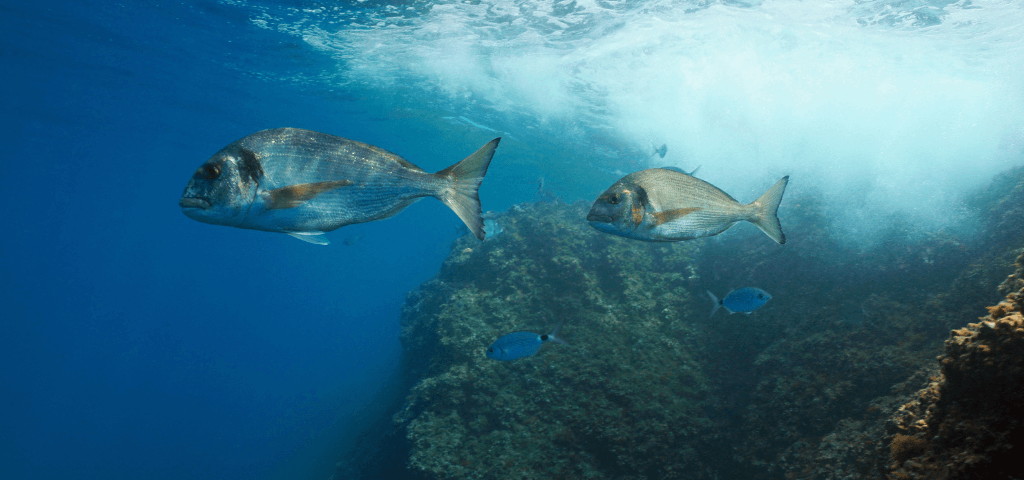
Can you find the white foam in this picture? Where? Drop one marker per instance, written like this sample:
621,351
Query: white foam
887,107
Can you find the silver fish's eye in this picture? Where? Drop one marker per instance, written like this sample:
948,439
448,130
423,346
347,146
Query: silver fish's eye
210,172
615,199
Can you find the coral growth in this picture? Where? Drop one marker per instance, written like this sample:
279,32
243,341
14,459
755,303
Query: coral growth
903,447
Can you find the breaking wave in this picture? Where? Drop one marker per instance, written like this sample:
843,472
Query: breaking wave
885,107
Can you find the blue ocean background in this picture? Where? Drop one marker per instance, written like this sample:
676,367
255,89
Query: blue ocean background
137,343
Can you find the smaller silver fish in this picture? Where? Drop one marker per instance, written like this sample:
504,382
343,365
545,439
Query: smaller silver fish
521,344
742,300
668,205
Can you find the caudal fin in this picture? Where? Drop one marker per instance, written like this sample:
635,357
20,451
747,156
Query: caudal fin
766,208
715,301
461,195
553,336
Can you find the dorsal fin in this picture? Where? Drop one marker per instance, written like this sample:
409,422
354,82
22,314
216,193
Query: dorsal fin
295,195
684,172
666,216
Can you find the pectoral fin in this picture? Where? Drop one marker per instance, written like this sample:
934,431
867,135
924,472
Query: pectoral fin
666,216
295,195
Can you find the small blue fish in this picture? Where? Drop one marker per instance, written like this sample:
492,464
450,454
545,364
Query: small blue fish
521,344
744,300
492,228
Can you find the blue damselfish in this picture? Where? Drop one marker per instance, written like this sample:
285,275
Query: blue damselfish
743,300
521,344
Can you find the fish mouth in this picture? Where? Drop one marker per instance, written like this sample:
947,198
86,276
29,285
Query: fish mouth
194,202
594,217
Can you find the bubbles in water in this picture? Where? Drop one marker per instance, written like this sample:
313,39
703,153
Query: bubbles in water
884,106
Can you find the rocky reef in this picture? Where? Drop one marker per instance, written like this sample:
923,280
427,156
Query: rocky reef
626,399
967,422
853,335
806,388
824,382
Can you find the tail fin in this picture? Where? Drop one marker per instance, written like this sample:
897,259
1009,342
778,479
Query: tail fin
553,336
461,196
714,300
661,151
767,206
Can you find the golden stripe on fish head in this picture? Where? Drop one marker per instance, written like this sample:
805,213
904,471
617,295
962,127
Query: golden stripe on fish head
620,209
222,189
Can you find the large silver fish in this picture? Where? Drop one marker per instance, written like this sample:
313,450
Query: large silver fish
666,205
305,183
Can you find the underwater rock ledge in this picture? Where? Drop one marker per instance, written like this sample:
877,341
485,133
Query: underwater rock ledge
967,422
651,388
624,400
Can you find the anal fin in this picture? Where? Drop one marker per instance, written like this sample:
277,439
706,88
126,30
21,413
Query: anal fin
316,238
295,195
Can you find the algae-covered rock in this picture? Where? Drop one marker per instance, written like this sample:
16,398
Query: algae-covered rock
651,388
624,400
1001,208
806,389
801,383
967,423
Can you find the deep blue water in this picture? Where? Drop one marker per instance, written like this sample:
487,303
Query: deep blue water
136,343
